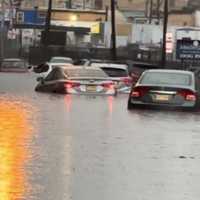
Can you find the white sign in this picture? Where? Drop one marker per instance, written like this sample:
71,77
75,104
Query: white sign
169,43
12,34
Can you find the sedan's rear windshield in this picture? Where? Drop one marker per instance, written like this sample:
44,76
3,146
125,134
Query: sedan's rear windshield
82,73
13,64
160,78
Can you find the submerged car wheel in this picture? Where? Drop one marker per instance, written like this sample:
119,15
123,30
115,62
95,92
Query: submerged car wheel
130,106
196,107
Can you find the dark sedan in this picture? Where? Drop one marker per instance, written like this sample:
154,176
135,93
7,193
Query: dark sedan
77,80
168,88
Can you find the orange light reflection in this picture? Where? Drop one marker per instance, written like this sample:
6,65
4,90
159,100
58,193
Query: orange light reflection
110,104
68,101
15,131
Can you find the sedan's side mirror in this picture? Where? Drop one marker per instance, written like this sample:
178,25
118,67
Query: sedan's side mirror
40,79
41,68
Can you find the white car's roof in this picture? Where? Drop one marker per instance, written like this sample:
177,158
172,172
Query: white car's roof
64,58
110,65
170,71
61,64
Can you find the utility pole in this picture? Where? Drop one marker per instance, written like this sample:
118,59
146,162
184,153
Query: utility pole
151,12
2,28
113,34
163,62
158,11
70,4
146,8
48,23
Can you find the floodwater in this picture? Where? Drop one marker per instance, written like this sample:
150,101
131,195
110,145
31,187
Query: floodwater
56,147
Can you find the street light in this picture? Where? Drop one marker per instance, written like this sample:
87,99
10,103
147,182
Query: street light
165,22
73,17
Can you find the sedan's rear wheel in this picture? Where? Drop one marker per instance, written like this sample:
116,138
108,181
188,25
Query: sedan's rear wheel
130,106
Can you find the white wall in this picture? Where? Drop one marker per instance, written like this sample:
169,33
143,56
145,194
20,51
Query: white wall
146,34
197,18
120,40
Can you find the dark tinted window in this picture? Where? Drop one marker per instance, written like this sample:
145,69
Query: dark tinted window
166,78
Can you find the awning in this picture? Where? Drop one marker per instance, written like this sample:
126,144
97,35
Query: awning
81,30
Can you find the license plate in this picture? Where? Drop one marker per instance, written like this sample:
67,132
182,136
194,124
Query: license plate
162,97
91,88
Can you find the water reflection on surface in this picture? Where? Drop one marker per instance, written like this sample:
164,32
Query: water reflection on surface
15,133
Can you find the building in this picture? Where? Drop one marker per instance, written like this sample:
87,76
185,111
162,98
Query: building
74,4
181,18
193,4
177,4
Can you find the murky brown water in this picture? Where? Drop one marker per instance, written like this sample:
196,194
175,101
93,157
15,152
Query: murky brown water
55,147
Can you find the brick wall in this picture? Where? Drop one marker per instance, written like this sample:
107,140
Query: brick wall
181,19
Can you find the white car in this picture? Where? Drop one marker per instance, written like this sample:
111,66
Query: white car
62,60
46,68
118,73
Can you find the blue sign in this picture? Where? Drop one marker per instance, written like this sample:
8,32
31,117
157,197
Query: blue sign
187,49
34,17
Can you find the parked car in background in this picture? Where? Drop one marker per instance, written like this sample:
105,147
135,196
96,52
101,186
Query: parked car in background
118,73
45,68
77,80
14,65
61,60
168,88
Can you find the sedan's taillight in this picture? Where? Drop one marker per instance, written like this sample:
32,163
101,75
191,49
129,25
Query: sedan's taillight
191,97
135,94
108,85
139,91
70,85
188,95
127,81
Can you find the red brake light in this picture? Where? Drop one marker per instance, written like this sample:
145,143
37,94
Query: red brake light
188,95
108,85
191,97
135,94
70,85
139,91
127,80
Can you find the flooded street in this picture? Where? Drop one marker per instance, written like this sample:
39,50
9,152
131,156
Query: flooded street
56,147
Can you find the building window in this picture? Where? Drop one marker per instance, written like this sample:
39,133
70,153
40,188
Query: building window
20,17
42,15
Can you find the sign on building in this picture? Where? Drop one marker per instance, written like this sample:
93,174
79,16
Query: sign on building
95,28
188,49
12,34
169,43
